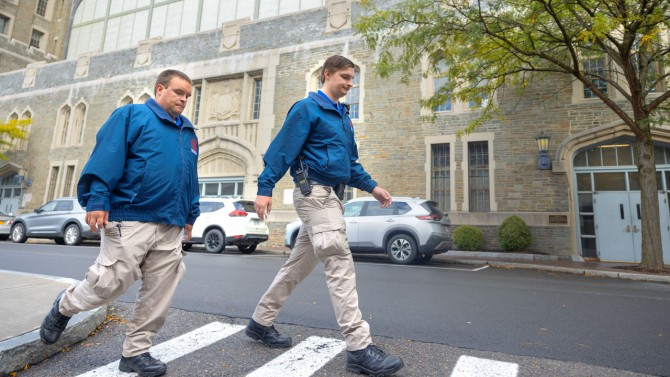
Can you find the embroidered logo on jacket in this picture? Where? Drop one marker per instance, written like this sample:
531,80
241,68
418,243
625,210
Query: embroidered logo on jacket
194,147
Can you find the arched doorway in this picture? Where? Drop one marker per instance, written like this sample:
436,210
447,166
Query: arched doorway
608,200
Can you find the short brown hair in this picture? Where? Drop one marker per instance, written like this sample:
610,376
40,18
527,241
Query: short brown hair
334,64
166,76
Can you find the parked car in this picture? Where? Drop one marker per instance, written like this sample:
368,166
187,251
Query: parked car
409,230
6,221
62,220
228,221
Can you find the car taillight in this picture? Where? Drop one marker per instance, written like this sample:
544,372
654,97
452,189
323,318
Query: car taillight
237,213
430,217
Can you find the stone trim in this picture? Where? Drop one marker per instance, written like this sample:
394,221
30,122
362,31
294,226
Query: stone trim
144,48
339,15
30,74
230,34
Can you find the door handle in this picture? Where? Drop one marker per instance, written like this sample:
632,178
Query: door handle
628,228
635,228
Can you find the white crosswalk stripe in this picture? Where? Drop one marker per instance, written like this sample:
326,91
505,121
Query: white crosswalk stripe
302,360
175,348
468,366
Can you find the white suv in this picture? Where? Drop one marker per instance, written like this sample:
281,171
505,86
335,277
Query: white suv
228,221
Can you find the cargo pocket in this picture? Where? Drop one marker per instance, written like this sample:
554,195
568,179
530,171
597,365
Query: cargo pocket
102,276
329,239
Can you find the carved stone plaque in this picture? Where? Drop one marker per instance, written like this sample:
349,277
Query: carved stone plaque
223,100
83,61
30,74
339,15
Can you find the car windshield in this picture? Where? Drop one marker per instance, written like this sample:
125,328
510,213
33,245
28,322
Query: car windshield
245,205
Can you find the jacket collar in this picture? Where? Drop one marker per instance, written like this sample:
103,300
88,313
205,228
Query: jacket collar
162,114
326,104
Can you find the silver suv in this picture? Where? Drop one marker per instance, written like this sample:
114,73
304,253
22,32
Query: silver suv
62,220
409,230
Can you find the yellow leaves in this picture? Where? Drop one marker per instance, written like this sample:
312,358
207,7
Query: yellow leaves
16,122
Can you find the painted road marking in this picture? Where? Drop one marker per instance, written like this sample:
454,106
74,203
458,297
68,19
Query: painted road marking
303,360
468,366
176,347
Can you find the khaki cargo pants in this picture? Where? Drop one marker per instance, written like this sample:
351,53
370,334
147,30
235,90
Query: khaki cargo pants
129,251
322,237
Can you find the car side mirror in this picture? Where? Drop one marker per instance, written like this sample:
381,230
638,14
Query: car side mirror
36,210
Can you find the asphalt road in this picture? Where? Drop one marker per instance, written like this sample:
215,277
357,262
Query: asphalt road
558,324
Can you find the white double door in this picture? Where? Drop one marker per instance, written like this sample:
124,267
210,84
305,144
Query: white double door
618,220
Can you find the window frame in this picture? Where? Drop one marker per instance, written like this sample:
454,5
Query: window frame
42,46
488,137
7,29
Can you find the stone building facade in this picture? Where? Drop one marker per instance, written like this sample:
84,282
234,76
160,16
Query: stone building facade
32,31
248,73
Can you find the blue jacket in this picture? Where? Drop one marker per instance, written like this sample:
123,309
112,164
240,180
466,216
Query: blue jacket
325,137
143,168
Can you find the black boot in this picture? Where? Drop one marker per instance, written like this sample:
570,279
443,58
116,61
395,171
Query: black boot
144,365
373,361
268,335
54,323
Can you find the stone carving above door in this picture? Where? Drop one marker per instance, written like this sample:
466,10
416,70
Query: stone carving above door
224,100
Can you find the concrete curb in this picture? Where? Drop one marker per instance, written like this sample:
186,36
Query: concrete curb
520,256
28,348
569,270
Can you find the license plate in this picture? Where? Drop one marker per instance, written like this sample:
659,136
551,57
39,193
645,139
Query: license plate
2,221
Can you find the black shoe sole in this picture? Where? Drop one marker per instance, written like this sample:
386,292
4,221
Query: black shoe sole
381,373
256,336
126,369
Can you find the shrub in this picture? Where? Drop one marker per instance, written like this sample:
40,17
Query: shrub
514,234
468,237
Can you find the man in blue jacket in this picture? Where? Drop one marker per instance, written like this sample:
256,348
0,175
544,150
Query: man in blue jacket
319,134
140,189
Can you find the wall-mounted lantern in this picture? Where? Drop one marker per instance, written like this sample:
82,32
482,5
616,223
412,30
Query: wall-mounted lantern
543,162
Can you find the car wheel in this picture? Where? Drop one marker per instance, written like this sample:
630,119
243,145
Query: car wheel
72,236
19,233
424,258
59,241
186,246
214,241
246,249
402,249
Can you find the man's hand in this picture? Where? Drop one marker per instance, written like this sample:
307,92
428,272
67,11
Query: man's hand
188,228
382,196
96,220
263,205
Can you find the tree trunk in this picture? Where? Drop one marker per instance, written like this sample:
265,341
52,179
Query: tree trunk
652,248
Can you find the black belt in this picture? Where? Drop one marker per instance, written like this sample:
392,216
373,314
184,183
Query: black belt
339,189
313,182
